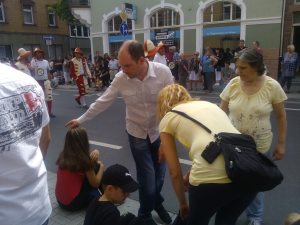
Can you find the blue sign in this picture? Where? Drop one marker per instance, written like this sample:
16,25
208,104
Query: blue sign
124,28
226,30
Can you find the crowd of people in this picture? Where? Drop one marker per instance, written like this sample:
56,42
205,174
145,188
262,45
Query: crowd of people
150,79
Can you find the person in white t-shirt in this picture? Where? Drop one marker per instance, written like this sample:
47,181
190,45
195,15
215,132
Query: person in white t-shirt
40,66
25,136
23,64
160,56
113,67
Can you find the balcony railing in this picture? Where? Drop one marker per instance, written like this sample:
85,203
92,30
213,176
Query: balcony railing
79,3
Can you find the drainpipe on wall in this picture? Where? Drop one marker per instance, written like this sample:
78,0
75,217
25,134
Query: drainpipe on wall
281,38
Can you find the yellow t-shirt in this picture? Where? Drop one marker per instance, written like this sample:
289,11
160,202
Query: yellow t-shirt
195,138
250,114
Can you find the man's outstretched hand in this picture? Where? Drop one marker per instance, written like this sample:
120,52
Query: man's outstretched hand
72,124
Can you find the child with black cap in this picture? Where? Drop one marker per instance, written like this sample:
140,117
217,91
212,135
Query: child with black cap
117,183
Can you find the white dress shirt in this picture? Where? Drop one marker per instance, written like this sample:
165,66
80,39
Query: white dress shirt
160,59
140,98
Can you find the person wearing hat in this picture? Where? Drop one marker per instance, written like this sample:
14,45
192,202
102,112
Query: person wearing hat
23,64
117,183
79,71
160,55
150,50
40,67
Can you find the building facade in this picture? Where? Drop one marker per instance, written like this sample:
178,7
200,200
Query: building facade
191,25
30,23
291,25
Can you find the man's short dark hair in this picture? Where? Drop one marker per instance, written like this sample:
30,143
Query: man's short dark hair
135,49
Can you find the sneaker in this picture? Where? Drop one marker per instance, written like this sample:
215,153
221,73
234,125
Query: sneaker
78,100
254,222
149,221
163,214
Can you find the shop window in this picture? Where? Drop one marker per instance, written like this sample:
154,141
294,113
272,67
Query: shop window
2,16
51,19
79,31
164,17
28,14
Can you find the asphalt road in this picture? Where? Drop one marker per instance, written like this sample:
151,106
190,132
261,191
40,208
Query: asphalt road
107,133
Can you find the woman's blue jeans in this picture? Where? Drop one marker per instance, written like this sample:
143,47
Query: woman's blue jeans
150,173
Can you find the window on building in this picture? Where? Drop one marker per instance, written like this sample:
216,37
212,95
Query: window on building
2,16
79,31
5,52
231,11
115,23
28,14
51,19
297,1
164,18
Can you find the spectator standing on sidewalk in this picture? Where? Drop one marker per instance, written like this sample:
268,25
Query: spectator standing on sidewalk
193,69
183,71
113,67
48,95
66,70
23,64
79,72
40,67
289,67
139,83
24,196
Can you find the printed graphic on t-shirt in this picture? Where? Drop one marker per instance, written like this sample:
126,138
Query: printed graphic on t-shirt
40,71
20,116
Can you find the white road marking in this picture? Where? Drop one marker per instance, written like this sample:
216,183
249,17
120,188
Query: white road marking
292,109
182,161
105,145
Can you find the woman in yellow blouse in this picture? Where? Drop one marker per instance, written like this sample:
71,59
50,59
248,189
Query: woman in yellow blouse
249,100
210,190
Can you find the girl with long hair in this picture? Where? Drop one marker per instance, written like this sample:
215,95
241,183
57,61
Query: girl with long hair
79,172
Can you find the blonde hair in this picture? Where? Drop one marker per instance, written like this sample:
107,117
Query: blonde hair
292,218
292,47
171,96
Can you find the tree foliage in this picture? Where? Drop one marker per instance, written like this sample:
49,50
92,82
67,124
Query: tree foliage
63,11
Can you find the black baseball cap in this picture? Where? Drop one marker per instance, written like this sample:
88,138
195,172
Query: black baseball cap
118,175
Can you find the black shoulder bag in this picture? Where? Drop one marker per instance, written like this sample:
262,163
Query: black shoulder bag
244,165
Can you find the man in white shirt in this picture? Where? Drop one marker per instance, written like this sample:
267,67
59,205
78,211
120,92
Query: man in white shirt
160,56
25,136
40,66
113,66
139,83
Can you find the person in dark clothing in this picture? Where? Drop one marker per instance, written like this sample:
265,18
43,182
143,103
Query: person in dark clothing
105,77
117,183
240,48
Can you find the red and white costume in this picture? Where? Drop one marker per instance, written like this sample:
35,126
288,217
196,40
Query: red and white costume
79,71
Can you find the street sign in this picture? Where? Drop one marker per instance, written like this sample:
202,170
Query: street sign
47,37
124,28
48,41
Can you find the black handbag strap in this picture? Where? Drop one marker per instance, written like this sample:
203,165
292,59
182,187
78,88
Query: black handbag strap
195,121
